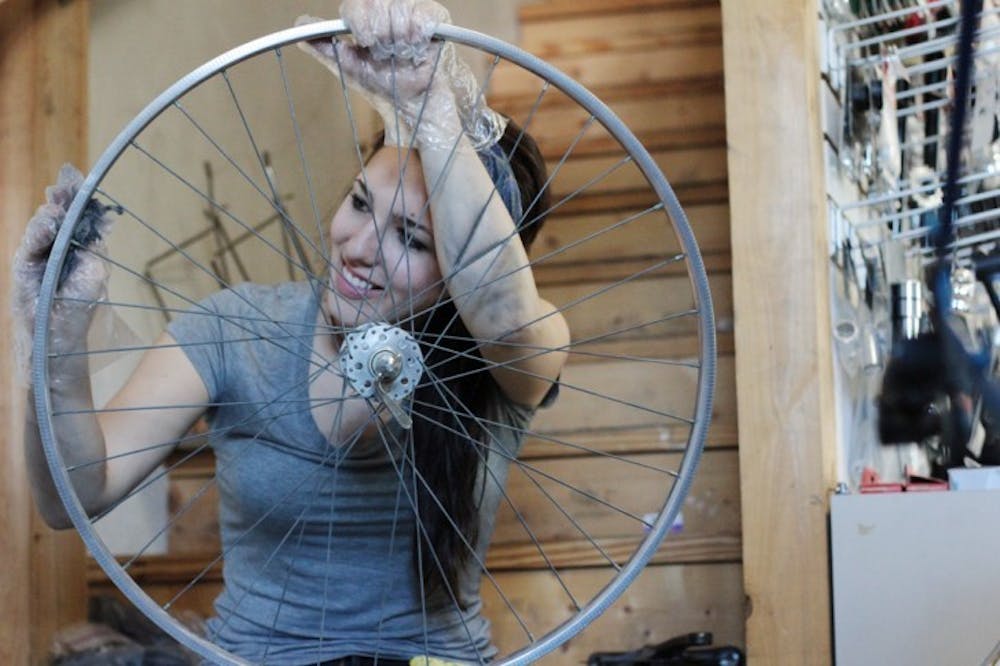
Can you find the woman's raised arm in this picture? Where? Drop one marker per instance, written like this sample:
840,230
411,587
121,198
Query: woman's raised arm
429,98
109,451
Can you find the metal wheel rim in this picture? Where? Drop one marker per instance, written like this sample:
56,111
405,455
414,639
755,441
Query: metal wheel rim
490,45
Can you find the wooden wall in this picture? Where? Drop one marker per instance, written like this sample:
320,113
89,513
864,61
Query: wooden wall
658,64
43,92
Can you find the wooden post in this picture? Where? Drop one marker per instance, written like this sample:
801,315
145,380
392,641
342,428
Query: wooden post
43,123
784,370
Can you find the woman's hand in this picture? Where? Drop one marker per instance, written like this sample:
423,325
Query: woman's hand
400,28
419,86
84,277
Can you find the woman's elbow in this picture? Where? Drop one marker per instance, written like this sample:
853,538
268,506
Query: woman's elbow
54,515
53,512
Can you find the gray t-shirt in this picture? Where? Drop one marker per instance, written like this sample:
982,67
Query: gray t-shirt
318,539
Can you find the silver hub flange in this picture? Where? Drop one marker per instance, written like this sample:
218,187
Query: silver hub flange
380,354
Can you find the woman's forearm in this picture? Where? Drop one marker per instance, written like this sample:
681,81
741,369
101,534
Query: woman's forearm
78,435
479,251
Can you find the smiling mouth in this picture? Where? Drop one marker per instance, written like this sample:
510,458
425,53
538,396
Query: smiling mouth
352,285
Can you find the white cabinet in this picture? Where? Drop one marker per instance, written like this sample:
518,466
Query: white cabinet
916,578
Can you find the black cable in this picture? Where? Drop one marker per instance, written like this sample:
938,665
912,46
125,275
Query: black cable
966,375
923,371
969,22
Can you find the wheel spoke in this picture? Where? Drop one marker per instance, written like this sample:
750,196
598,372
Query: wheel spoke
152,479
400,192
529,467
341,453
363,302
216,206
290,228
518,224
422,530
541,259
307,172
195,304
449,397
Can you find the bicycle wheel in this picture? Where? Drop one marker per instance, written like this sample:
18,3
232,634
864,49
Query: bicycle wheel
625,271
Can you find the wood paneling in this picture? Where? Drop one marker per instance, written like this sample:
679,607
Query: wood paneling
587,36
657,65
639,302
15,520
783,362
694,194
167,578
557,473
638,238
579,485
677,114
633,394
664,601
548,10
607,68
42,121
604,174
662,43
607,431
540,491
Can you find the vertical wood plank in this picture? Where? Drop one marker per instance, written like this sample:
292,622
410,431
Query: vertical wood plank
783,363
43,81
15,181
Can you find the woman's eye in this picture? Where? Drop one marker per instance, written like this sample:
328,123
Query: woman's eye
358,203
410,241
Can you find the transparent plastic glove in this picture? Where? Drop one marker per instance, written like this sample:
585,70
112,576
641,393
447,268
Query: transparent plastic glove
415,84
401,28
83,282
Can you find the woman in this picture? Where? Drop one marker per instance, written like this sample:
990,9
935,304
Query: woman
349,532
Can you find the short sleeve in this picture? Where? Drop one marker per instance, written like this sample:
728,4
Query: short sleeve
512,421
551,395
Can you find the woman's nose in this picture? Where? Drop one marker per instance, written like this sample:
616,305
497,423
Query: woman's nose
363,244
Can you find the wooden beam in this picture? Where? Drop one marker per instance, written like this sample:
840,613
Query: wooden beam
43,83
784,370
15,519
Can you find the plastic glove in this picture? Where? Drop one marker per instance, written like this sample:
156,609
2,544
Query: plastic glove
401,28
415,84
83,281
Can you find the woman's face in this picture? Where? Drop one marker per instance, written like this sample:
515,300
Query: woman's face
382,261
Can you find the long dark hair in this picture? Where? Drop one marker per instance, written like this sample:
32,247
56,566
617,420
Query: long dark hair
449,445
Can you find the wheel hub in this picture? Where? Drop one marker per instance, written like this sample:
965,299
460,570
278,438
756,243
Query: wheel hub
381,359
